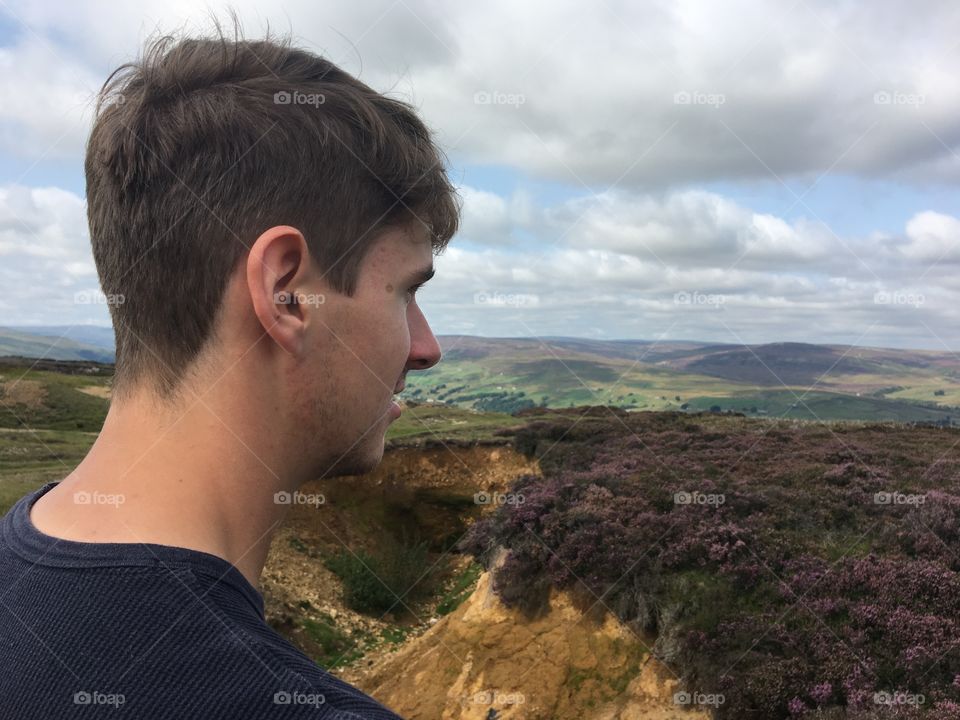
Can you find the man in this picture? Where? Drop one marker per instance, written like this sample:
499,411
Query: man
261,220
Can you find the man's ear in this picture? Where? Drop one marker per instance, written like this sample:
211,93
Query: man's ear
277,265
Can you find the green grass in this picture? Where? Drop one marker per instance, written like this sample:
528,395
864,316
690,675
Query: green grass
29,459
447,423
63,406
336,647
394,635
463,585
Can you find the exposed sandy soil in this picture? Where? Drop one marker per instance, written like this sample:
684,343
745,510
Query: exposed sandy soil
23,392
419,493
483,660
99,391
487,661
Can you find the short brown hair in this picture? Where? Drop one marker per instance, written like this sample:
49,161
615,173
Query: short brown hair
204,143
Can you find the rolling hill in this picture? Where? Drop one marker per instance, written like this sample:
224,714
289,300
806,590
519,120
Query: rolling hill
792,380
80,342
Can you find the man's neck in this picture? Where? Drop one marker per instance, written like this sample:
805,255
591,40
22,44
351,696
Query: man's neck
191,482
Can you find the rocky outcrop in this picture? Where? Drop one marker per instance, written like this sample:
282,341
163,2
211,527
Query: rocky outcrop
483,660
488,661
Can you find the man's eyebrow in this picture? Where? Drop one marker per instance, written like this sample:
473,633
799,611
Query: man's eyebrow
420,276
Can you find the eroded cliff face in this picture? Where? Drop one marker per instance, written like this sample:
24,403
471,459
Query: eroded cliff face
484,660
488,661
426,493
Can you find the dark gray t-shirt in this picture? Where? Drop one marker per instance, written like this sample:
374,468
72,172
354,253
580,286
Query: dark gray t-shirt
110,630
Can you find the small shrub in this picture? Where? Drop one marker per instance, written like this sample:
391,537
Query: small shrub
383,582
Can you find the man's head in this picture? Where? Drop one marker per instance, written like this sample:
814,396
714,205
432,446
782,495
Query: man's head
260,211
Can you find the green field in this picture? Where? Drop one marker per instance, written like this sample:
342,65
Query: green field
444,422
505,375
47,424
840,383
31,458
507,385
800,405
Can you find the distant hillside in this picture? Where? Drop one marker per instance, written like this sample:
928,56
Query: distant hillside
98,335
60,343
792,380
799,363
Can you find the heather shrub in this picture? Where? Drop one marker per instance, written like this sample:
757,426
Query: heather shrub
799,570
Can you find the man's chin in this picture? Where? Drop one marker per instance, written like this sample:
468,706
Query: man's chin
359,461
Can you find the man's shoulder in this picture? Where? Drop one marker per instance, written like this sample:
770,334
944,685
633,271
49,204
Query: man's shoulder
165,632
302,685
259,673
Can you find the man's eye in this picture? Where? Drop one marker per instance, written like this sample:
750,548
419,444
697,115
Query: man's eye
413,290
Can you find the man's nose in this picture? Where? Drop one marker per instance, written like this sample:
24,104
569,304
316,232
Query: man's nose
424,349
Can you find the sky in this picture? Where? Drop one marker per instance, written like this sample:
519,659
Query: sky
738,172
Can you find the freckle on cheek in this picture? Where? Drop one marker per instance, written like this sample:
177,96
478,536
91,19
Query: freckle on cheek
389,288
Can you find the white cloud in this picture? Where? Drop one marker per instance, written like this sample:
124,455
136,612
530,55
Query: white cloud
933,237
772,89
693,228
493,219
609,286
628,256
637,104
47,101
46,258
